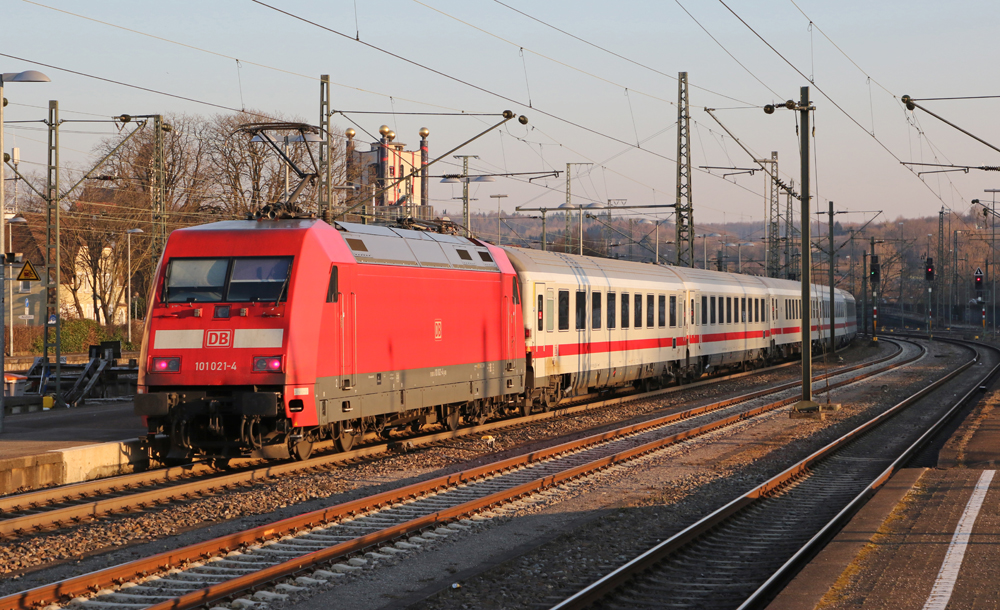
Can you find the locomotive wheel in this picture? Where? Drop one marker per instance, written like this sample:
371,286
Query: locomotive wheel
301,450
346,440
453,419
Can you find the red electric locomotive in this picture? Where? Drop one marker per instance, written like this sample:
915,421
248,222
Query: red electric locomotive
264,337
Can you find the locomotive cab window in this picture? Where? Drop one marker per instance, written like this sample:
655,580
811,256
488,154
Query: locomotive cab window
332,289
208,280
196,280
258,279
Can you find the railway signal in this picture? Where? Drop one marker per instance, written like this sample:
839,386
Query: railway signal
929,273
874,272
978,279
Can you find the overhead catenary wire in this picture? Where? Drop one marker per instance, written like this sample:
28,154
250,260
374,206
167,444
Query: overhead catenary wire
618,55
825,95
223,55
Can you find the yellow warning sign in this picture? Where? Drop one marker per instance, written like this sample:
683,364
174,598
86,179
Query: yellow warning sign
28,273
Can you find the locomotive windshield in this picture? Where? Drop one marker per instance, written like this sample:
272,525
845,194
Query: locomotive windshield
212,280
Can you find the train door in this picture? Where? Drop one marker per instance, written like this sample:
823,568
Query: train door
348,339
582,325
544,307
694,330
509,324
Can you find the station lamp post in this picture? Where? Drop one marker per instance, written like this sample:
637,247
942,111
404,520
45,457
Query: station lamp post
704,245
28,76
16,220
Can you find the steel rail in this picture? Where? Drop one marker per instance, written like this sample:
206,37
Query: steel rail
88,510
648,559
107,577
798,560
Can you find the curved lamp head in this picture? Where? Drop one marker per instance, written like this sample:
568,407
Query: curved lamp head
28,76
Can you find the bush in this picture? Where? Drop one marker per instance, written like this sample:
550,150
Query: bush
76,336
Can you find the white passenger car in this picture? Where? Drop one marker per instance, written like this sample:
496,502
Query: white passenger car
593,323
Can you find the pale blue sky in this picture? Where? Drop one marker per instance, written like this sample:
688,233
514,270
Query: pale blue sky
921,48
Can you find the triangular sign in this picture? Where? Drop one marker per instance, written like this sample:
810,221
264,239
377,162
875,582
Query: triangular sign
28,273
979,271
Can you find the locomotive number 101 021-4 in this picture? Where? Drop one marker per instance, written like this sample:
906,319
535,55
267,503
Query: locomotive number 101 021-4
215,366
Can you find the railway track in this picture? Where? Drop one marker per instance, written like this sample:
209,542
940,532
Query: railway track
67,505
740,555
392,522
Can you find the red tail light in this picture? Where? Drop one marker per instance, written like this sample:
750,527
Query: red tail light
267,364
166,365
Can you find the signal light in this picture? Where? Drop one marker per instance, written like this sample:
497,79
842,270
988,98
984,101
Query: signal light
166,365
929,274
979,282
875,269
267,364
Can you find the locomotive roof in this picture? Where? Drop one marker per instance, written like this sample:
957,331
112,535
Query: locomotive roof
374,244
250,225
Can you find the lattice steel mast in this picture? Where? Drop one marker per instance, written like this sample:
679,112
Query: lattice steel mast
324,197
773,259
52,334
157,189
685,213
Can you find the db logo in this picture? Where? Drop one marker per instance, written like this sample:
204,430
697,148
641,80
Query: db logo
219,338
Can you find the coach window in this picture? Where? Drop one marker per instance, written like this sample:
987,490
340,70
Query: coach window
549,309
722,313
541,312
704,310
581,310
673,310
625,317
595,309
729,310
638,311
564,310
650,311
756,310
711,309
662,310
612,303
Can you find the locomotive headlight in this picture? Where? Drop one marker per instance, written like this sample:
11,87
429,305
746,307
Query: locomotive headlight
267,364
166,365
